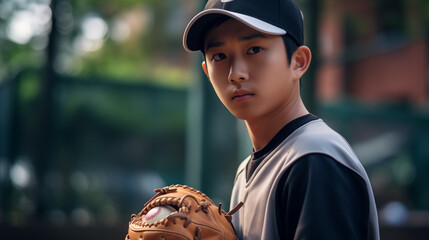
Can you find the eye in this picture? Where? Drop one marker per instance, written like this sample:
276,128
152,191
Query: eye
254,50
218,57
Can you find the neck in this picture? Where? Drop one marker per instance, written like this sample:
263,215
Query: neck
263,129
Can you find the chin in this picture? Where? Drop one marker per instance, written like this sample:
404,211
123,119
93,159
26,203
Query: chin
244,113
241,116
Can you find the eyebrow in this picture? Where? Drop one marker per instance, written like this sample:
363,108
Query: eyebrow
215,43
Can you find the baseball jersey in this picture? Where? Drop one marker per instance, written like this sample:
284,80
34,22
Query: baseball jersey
307,183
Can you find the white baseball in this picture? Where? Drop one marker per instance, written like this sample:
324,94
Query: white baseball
158,213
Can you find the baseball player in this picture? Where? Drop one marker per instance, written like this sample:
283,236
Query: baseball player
302,179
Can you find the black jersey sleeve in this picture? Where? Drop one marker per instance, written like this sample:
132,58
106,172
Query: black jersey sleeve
318,198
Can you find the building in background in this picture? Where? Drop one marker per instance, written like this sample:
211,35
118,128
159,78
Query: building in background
372,82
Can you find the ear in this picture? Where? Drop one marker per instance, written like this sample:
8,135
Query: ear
204,65
300,61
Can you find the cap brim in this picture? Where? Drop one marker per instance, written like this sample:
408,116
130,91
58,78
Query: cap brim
193,37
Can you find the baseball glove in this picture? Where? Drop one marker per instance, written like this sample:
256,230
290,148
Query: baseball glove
186,213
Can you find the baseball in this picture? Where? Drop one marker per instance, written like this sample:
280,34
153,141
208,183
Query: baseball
158,213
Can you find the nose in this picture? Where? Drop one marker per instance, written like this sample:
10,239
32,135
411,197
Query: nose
238,71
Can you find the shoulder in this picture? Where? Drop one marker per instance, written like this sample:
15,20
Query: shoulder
317,137
318,133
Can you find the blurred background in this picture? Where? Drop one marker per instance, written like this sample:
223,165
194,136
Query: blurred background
100,104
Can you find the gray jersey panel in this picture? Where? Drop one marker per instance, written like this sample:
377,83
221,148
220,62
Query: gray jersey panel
257,218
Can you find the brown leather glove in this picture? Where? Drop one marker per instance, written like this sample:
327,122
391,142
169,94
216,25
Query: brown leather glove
189,214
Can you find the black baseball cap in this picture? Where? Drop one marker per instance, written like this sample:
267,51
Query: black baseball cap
275,17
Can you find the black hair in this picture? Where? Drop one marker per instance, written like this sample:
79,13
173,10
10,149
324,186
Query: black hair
290,45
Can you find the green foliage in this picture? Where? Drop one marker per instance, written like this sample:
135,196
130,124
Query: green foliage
118,107
145,44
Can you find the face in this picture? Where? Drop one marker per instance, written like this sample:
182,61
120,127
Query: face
249,71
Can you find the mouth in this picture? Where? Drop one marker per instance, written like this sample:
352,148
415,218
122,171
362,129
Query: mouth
241,95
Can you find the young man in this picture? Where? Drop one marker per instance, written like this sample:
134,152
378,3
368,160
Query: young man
302,180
